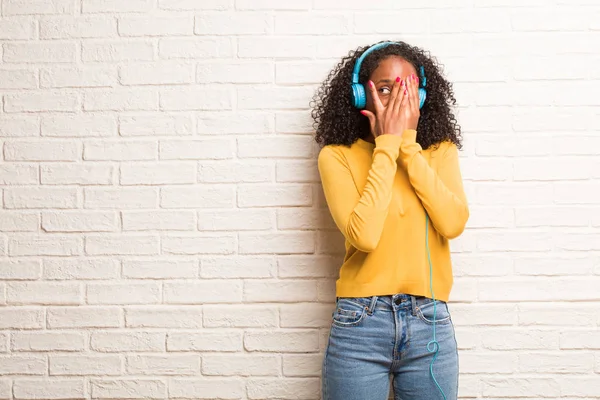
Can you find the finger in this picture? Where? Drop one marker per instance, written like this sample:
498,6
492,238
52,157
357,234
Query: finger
396,91
402,98
376,101
415,94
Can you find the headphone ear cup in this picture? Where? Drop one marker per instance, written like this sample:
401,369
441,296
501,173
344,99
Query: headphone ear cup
422,96
359,97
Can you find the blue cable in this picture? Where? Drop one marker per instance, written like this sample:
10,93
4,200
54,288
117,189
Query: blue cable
436,346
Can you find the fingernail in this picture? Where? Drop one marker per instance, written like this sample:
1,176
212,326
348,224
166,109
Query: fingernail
363,112
397,79
402,84
404,91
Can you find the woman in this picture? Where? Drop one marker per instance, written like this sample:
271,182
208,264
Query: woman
391,178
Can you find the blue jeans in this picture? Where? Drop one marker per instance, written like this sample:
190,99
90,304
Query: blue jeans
375,339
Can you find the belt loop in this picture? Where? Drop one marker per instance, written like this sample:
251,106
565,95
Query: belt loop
372,305
413,302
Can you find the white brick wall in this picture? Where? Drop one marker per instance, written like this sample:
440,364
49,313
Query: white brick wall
163,233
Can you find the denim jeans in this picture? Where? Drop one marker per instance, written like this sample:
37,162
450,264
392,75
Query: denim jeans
378,338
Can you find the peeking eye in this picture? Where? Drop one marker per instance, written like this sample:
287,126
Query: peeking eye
384,90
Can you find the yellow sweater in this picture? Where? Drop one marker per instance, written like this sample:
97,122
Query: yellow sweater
377,195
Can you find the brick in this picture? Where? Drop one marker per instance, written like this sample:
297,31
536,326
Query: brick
82,27
551,216
121,245
219,5
297,171
180,317
205,244
228,72
210,340
121,100
44,245
242,122
48,341
312,24
160,269
304,72
22,318
299,266
240,365
84,364
244,267
116,6
293,122
203,292
209,388
33,52
78,126
41,102
159,220
285,388
509,386
84,317
255,98
236,316
293,47
80,269
49,150
302,365
283,195
201,196
115,51
156,26
20,269
18,174
17,79
196,48
163,365
118,198
273,5
19,126
299,218
196,99
162,173
23,365
301,316
283,291
282,242
235,220
123,293
156,74
128,388
519,340
212,149
230,171
524,290
275,147
289,341
117,342
122,150
49,389
546,265
35,197
43,293
76,77
153,125
17,7
76,174
238,23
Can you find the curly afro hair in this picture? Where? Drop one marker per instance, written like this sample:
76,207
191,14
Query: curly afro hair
337,121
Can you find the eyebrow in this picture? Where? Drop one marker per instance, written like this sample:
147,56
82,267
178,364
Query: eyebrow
385,80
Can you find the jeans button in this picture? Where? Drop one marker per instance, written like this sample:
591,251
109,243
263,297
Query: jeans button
398,301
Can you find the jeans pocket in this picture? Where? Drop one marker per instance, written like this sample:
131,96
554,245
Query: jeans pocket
348,313
425,312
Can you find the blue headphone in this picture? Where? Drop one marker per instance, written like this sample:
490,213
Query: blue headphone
359,96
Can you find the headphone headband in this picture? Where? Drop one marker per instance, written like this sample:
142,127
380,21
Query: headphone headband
365,54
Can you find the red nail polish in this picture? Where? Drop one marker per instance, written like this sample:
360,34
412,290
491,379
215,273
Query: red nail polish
404,91
397,79
363,112
371,83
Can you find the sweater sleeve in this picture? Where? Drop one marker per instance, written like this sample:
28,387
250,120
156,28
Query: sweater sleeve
360,218
441,192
